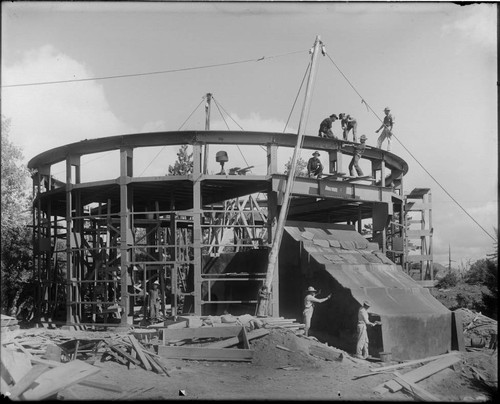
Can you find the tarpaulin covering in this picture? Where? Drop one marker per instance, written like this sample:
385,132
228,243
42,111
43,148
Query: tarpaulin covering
407,309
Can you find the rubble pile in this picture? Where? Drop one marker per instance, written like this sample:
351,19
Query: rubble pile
480,331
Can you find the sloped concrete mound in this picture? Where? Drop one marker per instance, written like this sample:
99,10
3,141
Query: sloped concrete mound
338,260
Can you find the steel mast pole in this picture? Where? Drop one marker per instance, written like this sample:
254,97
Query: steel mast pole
273,255
207,127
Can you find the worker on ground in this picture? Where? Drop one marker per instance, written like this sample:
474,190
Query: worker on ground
359,149
314,166
325,128
363,322
387,129
263,302
347,122
309,301
154,302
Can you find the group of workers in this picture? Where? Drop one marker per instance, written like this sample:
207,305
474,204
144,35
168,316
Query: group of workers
348,124
363,320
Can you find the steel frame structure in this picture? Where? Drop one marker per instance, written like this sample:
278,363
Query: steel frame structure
96,242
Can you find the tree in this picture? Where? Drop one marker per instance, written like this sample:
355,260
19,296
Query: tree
183,164
300,170
16,239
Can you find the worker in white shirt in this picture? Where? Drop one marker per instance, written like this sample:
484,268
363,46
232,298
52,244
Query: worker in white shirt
363,321
309,301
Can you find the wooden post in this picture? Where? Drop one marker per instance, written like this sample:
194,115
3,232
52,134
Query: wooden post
207,127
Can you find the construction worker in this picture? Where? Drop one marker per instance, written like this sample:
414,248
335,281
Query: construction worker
154,302
325,128
309,301
363,321
387,129
347,122
359,149
314,166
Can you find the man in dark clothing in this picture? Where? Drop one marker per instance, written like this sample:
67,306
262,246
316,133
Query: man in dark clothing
347,122
314,166
358,151
325,128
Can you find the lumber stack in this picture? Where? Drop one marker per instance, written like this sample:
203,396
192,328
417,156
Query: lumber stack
408,381
128,351
20,380
281,322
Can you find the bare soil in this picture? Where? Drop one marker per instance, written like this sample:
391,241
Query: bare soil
277,374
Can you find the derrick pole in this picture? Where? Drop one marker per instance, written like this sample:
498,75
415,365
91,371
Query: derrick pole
273,255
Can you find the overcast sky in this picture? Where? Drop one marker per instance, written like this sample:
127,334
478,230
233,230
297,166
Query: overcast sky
433,64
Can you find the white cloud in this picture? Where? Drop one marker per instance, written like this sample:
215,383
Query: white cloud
477,22
48,116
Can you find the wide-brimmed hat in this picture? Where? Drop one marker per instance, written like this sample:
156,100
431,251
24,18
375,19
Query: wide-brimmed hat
366,303
315,153
334,116
363,137
387,109
311,289
156,283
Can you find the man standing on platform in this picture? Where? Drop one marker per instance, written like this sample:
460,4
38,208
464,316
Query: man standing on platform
359,149
347,122
309,301
387,129
154,302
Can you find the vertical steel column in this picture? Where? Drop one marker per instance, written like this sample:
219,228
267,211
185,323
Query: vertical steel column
126,172
197,234
69,255
272,159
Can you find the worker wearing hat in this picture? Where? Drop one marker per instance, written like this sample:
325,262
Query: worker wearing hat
314,166
309,301
359,149
363,321
325,128
154,302
387,129
347,122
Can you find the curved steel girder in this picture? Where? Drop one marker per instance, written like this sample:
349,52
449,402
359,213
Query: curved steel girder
104,144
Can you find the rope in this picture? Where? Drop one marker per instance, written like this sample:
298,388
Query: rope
220,112
411,154
157,154
150,73
297,96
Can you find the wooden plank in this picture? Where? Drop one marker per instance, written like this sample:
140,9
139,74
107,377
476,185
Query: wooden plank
159,362
244,338
201,332
15,365
325,353
102,386
117,357
23,384
59,378
418,258
235,340
415,390
124,354
412,362
203,353
420,373
137,347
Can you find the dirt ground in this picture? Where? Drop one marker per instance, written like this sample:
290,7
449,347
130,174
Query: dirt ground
306,377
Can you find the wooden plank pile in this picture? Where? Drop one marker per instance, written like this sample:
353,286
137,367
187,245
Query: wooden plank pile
8,323
281,322
408,380
127,350
214,343
26,377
